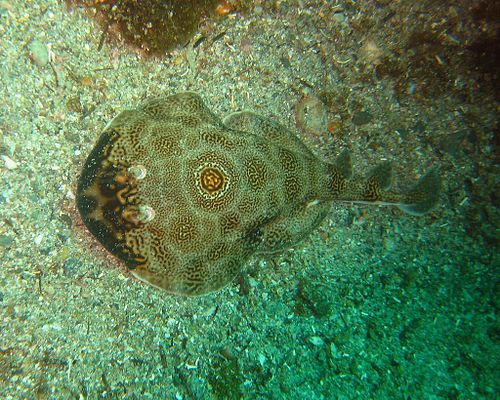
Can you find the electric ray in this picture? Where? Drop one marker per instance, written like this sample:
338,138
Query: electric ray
184,199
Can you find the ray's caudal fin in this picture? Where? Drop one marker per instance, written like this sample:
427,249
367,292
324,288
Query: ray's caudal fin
424,195
375,188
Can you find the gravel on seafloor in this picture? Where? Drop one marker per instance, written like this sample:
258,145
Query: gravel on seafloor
374,305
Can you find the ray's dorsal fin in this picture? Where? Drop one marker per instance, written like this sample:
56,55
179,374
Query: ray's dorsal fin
382,174
343,163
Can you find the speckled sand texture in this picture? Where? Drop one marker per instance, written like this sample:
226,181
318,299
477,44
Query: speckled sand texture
376,304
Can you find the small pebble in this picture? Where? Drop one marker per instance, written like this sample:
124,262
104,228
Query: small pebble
5,241
402,132
262,359
412,88
253,282
9,163
361,118
209,311
339,17
316,340
39,53
38,240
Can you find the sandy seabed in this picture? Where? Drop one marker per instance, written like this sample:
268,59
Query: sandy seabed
374,305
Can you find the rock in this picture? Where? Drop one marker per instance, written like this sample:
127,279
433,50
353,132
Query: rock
311,116
362,118
9,163
316,341
39,53
5,241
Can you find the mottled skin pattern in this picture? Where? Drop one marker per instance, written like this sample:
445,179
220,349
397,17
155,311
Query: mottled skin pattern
185,199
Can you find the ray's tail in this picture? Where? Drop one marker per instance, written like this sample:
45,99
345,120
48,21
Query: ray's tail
376,187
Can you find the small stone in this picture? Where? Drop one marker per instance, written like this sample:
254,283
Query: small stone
402,132
262,359
362,118
39,53
5,241
339,17
311,115
209,312
316,341
253,282
9,163
39,239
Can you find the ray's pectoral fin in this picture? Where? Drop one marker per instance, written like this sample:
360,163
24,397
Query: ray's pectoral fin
290,229
424,195
207,272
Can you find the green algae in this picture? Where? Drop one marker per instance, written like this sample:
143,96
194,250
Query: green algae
153,27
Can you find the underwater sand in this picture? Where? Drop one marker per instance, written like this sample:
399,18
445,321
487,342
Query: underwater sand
376,304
